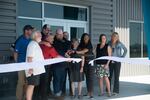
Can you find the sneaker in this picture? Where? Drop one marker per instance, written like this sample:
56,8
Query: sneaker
73,97
58,94
63,94
86,96
115,94
91,98
79,97
102,94
109,94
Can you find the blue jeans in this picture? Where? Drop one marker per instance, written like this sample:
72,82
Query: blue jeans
58,77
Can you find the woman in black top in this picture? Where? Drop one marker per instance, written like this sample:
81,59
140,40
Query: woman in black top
76,69
102,70
85,48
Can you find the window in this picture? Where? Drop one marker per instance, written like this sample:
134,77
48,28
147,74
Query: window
53,11
145,48
65,12
29,8
29,12
138,47
75,13
22,22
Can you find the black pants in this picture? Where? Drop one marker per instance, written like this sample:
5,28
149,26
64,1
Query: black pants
114,69
67,71
89,74
45,82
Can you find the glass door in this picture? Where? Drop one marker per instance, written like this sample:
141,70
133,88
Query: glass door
55,25
76,32
74,28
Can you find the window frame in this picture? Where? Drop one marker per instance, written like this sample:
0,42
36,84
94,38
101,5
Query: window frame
142,38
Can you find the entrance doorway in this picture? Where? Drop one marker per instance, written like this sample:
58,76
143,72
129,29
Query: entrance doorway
74,28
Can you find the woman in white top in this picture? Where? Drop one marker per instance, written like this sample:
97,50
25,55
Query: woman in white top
34,53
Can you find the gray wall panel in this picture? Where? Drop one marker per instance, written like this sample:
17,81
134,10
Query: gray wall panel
135,12
125,11
7,27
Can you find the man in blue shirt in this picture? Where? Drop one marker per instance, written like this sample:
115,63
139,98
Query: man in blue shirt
20,56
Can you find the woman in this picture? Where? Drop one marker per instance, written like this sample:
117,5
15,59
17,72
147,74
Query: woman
85,48
76,70
34,53
45,78
102,70
118,50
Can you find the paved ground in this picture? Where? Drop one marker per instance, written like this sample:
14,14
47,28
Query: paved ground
131,88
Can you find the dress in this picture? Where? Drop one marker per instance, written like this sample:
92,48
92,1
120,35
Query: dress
76,75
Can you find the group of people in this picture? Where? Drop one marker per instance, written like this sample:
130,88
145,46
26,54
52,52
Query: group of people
34,45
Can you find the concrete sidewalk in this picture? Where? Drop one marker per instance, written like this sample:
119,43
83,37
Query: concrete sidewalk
131,88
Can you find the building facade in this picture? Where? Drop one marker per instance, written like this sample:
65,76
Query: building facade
76,17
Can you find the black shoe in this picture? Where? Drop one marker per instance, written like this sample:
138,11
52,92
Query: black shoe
91,98
79,97
73,97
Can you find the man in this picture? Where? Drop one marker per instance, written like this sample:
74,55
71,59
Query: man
66,38
20,56
66,35
45,30
59,70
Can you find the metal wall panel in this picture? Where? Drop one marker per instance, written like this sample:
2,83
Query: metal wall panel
125,11
7,26
135,12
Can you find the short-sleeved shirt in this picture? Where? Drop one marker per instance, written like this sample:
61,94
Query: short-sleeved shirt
21,48
48,52
34,51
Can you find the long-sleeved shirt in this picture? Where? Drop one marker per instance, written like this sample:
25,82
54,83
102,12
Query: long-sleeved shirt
119,50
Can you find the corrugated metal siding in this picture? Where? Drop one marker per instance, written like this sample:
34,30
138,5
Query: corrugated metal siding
102,19
7,26
135,12
125,11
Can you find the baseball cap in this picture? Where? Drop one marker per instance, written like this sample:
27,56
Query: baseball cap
28,27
